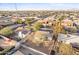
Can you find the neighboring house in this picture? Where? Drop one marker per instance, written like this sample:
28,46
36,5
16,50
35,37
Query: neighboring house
73,39
13,20
14,17
6,45
6,41
5,21
67,23
76,22
47,21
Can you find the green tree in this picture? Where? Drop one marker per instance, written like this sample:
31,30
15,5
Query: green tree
6,31
19,21
37,26
61,18
28,21
28,28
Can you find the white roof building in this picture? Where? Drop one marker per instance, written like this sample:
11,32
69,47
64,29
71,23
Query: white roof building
68,38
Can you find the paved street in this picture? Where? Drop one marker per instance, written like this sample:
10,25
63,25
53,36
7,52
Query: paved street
18,53
15,26
30,51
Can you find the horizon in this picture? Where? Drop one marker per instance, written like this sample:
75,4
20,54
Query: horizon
38,6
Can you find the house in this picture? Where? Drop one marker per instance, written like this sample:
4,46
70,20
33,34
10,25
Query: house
67,23
39,35
69,39
4,41
6,44
47,21
76,22
5,21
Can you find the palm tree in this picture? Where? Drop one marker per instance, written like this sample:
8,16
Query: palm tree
56,28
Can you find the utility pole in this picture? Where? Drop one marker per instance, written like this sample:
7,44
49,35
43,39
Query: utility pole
16,9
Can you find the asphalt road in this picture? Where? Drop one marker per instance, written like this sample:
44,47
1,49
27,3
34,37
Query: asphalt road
30,51
15,26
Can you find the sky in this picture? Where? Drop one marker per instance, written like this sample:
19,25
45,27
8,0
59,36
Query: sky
38,6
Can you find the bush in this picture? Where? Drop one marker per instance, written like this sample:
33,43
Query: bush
19,21
6,50
37,26
6,31
28,21
28,28
65,49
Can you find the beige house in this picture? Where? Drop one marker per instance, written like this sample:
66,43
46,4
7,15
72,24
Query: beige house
47,21
67,23
42,35
76,22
